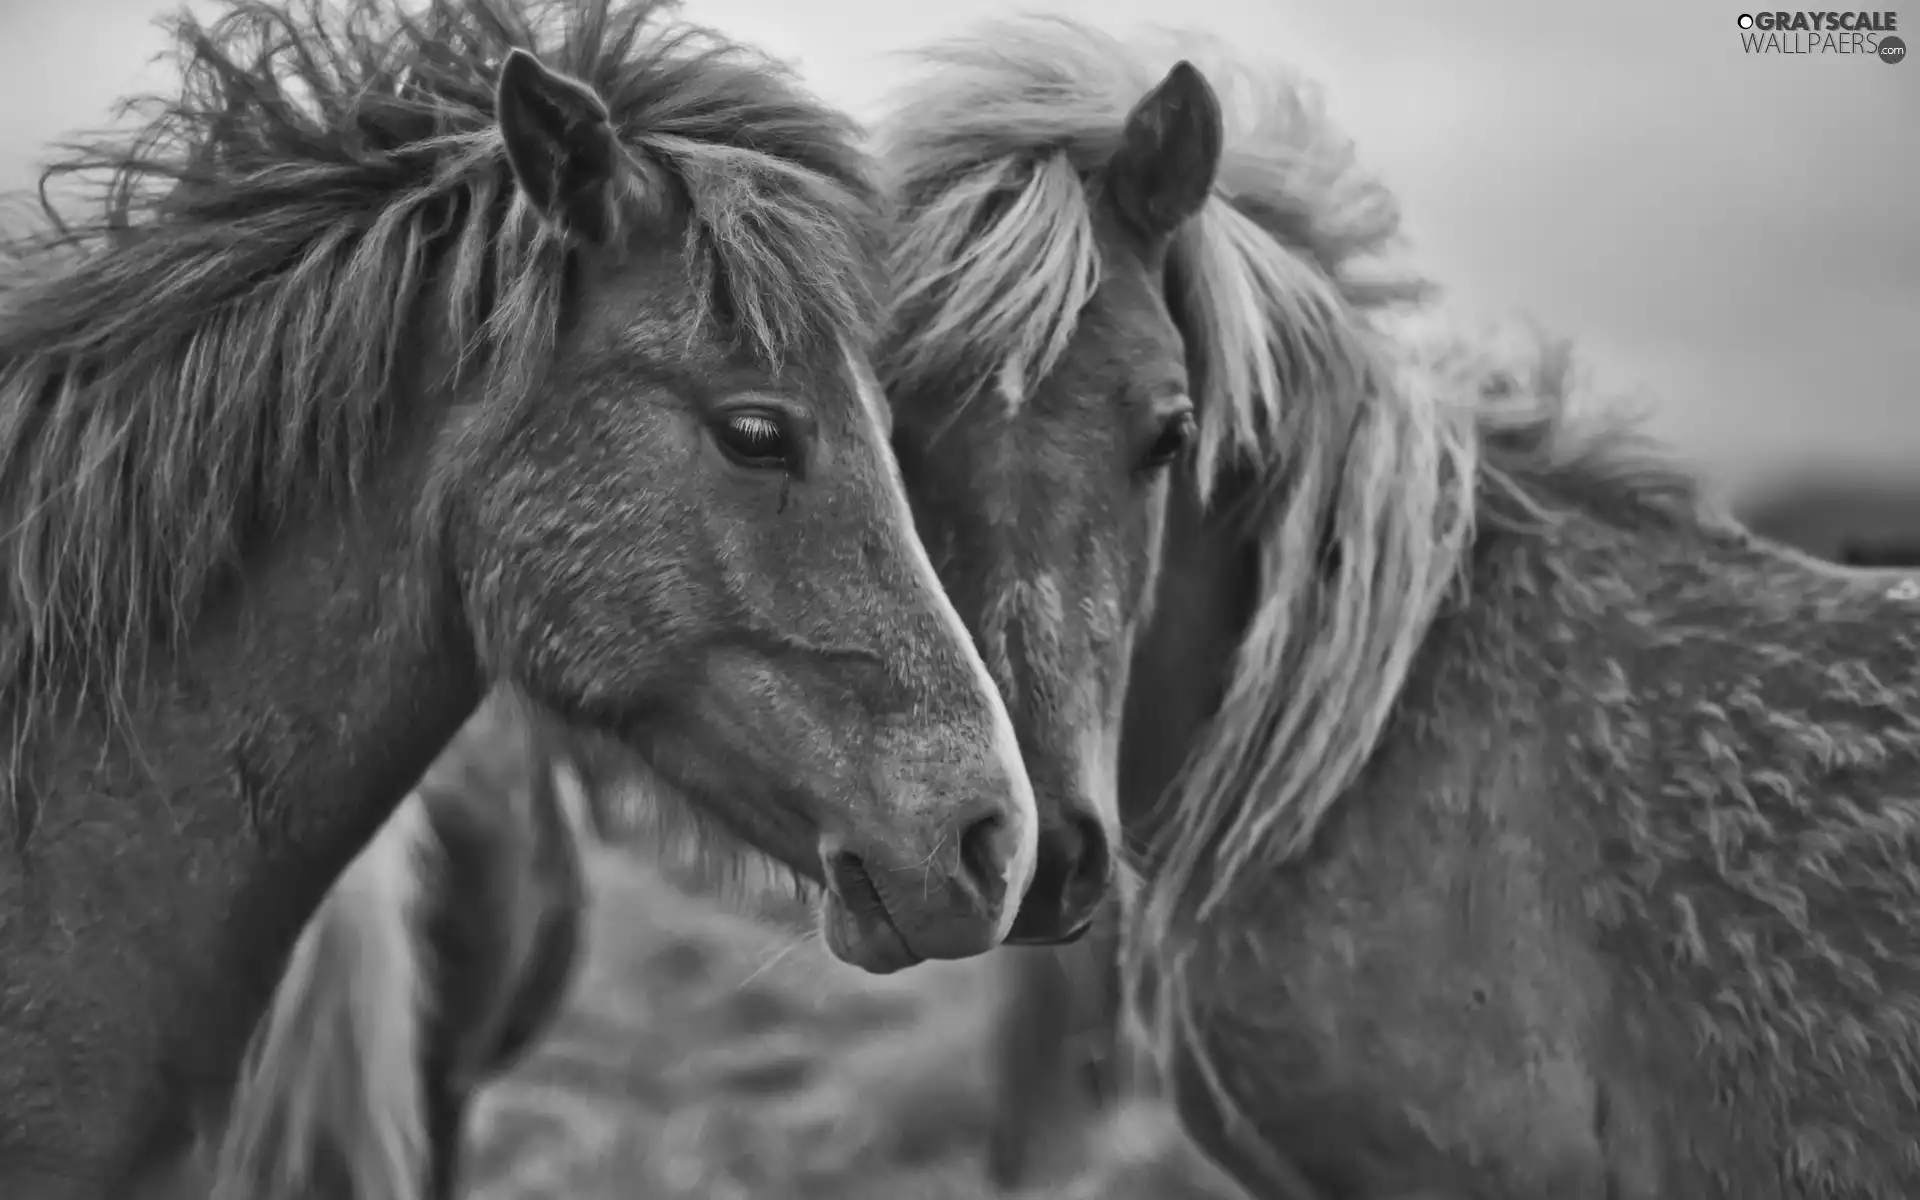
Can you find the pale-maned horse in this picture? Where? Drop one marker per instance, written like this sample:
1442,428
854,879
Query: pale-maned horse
391,364
1530,828
1050,186
438,958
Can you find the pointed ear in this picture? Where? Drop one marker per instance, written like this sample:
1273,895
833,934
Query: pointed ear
1169,153
561,145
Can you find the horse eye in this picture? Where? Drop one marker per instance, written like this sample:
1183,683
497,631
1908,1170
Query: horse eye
755,439
1176,433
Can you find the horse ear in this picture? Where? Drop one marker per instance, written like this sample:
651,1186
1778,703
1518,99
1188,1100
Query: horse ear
1169,153
561,145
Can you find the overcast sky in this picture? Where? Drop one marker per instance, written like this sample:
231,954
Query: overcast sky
1738,237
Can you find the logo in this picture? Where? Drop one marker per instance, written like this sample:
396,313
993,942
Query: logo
1869,34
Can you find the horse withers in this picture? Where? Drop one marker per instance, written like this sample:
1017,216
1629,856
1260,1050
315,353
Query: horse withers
392,364
1528,828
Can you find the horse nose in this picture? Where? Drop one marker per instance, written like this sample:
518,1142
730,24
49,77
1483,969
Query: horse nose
941,896
988,846
1070,882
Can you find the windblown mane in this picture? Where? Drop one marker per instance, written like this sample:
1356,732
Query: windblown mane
218,338
1372,455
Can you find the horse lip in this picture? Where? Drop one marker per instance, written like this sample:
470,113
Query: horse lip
863,932
876,947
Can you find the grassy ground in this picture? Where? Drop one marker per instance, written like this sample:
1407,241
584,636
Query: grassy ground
717,1053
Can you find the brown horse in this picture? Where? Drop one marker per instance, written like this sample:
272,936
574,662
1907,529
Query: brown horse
1532,829
392,364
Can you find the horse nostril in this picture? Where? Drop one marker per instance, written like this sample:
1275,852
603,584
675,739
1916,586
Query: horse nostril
1092,865
983,864
1069,882
849,878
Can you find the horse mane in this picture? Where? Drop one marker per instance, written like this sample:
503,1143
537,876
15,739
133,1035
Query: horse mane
218,336
1362,457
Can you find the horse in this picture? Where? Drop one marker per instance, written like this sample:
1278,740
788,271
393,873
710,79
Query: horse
1527,825
1002,378
392,364
438,958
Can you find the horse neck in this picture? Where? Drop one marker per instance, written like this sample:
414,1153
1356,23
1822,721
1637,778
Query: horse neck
1203,601
330,666
183,843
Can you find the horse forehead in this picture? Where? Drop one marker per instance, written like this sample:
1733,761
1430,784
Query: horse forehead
1037,471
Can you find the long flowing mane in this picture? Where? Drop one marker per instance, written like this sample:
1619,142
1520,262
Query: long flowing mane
1372,455
218,337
